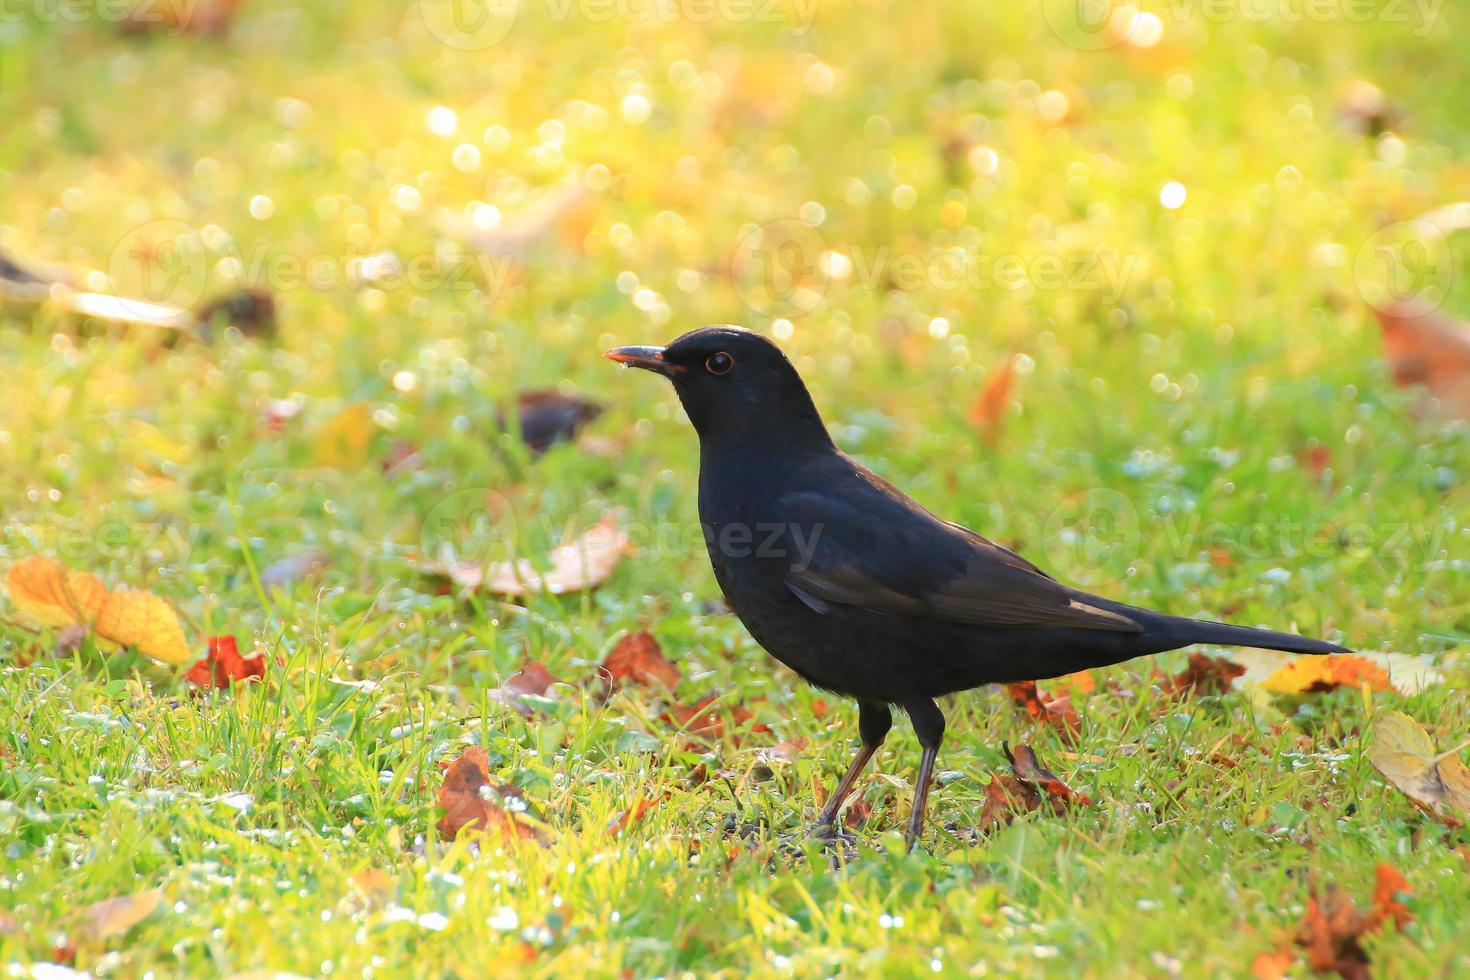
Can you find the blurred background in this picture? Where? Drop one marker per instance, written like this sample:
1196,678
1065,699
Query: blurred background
1152,291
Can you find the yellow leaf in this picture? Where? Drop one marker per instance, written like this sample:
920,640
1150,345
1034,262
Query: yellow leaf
342,441
145,622
1284,673
1405,754
47,592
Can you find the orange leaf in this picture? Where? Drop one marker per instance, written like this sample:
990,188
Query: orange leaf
1054,711
223,666
471,803
1430,348
987,412
47,592
1310,674
638,659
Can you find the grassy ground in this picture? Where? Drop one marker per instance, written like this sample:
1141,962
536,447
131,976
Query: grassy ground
1186,362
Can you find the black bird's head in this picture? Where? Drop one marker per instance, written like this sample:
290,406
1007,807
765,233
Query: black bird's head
736,387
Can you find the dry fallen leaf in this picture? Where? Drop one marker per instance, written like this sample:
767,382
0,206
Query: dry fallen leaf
533,680
341,442
472,803
627,818
1437,782
1028,789
548,417
705,720
582,564
223,666
1331,932
51,594
987,413
638,660
1426,346
1204,675
1054,711
115,916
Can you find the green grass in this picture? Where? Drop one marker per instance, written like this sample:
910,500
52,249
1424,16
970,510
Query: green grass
1237,342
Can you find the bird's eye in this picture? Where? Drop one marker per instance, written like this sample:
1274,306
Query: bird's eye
720,363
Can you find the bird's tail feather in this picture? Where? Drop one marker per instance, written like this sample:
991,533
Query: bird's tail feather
1203,631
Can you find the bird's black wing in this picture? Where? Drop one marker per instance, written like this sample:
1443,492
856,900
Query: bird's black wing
870,547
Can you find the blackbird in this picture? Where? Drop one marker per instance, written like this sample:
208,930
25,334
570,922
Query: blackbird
860,590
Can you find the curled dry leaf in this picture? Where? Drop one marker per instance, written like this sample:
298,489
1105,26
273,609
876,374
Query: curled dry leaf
222,666
1054,711
472,803
582,564
1029,788
1437,782
637,659
46,591
532,680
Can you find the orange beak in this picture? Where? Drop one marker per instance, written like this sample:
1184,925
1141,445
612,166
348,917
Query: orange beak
648,358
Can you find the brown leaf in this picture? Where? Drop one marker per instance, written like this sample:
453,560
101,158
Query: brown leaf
1330,933
1428,347
705,719
1204,675
856,813
637,659
987,412
472,803
223,666
533,680
1054,711
1437,782
1027,767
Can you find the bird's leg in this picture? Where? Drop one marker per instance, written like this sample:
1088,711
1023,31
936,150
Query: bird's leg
874,720
929,726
